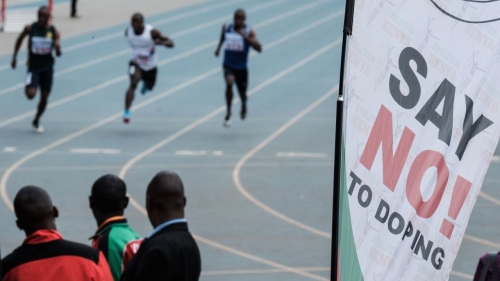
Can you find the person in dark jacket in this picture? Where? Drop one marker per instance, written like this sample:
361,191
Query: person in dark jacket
170,251
44,254
108,201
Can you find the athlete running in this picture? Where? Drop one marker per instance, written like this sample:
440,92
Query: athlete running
43,39
143,40
237,38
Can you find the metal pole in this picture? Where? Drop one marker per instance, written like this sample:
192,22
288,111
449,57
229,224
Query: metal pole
337,173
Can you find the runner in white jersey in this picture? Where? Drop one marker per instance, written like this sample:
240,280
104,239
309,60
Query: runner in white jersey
143,40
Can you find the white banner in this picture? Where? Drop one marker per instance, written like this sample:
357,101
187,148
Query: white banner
422,105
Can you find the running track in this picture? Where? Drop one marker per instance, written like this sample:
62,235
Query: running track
259,194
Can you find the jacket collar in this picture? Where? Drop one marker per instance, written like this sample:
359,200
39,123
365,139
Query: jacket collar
42,236
109,223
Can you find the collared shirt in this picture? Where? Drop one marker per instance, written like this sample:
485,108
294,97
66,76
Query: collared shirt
165,224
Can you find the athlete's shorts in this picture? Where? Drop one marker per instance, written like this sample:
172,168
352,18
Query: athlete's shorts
240,77
40,77
148,76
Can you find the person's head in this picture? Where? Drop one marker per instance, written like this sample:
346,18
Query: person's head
239,18
44,16
108,198
165,198
138,23
34,210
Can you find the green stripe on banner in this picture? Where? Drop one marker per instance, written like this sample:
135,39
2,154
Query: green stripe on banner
349,263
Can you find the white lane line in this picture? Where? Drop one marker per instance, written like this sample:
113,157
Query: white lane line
261,271
301,155
11,169
246,194
495,158
463,275
173,59
95,151
251,153
207,117
9,149
489,198
218,153
221,109
174,35
160,22
191,152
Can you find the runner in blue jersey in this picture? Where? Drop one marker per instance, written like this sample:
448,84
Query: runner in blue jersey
237,39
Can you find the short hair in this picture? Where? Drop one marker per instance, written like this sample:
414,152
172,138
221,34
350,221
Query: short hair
43,8
109,194
32,204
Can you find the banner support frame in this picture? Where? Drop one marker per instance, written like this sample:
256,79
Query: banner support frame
337,173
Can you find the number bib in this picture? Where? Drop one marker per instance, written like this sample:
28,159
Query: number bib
41,45
234,42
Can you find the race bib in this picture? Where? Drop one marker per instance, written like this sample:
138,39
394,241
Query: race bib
234,42
41,45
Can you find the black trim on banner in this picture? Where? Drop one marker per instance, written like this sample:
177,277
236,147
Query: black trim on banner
462,20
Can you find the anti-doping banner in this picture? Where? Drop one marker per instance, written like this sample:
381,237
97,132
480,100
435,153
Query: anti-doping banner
422,122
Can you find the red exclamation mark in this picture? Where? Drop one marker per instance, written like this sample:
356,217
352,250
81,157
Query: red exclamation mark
460,192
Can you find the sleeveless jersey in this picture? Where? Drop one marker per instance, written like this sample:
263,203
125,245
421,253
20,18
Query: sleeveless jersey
41,45
143,48
236,48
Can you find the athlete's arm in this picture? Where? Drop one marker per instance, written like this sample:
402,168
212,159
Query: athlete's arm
252,40
19,42
161,39
222,39
57,44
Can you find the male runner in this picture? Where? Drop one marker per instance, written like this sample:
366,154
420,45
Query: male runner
43,39
143,40
238,37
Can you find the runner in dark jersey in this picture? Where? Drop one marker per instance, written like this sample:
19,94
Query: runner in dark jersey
237,38
43,39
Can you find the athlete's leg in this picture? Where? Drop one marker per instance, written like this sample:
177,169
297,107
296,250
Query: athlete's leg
242,84
32,79
229,77
46,78
149,78
135,77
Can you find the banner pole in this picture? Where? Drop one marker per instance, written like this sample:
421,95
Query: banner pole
337,173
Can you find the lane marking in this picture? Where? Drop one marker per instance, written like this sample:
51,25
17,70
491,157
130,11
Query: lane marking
173,59
301,155
495,158
463,275
218,153
190,152
9,149
489,198
160,22
11,169
210,165
258,203
241,163
95,151
261,271
127,51
207,117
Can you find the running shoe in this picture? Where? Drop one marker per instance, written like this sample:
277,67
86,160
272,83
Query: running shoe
227,121
38,128
126,116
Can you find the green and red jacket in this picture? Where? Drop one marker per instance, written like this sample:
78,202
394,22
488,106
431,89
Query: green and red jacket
112,238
